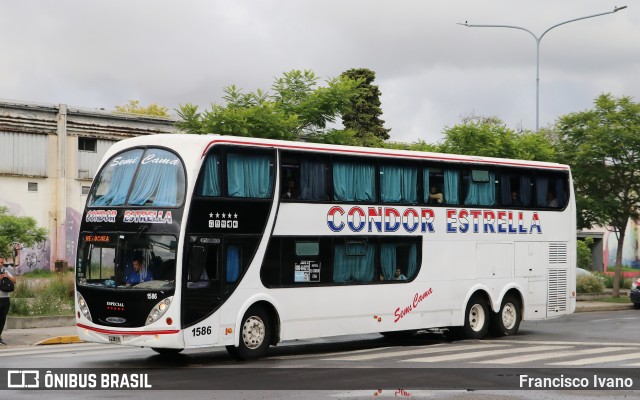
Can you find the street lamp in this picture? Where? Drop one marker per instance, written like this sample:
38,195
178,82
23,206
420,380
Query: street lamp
538,40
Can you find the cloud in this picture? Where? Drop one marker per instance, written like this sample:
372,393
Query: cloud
430,70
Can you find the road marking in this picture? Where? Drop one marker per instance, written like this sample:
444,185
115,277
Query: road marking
487,353
612,319
429,350
539,342
599,360
337,353
549,355
632,365
64,348
89,352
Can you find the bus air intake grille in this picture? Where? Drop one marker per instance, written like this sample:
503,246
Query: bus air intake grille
557,292
558,253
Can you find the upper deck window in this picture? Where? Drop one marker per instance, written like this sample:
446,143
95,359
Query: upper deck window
249,176
481,188
238,175
354,182
398,184
151,177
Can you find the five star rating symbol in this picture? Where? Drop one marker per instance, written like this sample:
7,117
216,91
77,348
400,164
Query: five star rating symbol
226,220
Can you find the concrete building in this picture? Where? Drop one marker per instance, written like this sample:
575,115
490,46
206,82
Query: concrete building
48,157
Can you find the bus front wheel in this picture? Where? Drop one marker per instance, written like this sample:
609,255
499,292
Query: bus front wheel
507,321
255,335
476,318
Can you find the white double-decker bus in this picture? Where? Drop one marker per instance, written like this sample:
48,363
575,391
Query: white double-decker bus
194,241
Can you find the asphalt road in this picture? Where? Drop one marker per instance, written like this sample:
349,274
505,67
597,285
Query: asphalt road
581,346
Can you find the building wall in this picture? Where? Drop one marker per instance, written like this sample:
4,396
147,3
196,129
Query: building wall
630,249
39,145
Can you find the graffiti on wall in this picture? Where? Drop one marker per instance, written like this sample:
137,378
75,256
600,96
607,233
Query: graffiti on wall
72,231
630,248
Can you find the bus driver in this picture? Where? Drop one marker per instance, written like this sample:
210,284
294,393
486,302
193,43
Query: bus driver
140,273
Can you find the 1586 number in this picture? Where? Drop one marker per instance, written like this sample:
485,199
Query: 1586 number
201,331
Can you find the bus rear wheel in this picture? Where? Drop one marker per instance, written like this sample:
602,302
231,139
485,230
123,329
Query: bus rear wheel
476,318
507,321
255,335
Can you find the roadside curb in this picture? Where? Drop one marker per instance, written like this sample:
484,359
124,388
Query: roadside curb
599,306
14,322
59,340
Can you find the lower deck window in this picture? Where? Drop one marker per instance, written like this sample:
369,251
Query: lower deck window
354,262
294,262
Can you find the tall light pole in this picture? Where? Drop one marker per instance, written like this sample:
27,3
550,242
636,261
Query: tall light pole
538,40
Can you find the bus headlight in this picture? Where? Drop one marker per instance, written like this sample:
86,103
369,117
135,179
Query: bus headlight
84,308
158,310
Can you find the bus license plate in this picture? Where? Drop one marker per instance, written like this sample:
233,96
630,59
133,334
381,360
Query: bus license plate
115,339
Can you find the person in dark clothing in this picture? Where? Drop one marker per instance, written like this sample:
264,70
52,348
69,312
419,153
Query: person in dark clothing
4,297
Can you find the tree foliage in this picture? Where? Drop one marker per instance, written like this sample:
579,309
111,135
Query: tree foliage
490,137
363,112
134,107
23,230
296,107
602,145
583,251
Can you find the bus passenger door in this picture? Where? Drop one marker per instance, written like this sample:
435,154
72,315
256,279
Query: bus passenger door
202,292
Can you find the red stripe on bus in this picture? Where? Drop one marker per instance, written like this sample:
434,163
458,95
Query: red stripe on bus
382,153
112,332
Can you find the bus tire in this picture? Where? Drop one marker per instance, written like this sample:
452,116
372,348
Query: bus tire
255,335
476,318
166,352
507,321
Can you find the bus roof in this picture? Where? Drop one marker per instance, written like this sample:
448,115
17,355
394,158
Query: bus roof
202,143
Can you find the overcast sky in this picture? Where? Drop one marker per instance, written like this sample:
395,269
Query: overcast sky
98,54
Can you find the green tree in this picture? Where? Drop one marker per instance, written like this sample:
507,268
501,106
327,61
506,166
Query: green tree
134,107
297,107
490,137
23,230
602,145
363,113
584,252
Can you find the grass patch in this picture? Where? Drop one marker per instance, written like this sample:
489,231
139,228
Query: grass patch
624,268
54,296
620,300
38,273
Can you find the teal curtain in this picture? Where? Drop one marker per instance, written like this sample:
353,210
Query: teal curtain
156,182
121,176
249,176
560,196
353,182
388,260
233,263
505,190
481,193
426,188
398,184
341,270
211,179
525,190
413,261
542,185
312,181
451,182
354,268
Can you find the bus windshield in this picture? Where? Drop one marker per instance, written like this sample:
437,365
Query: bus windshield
127,261
152,177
